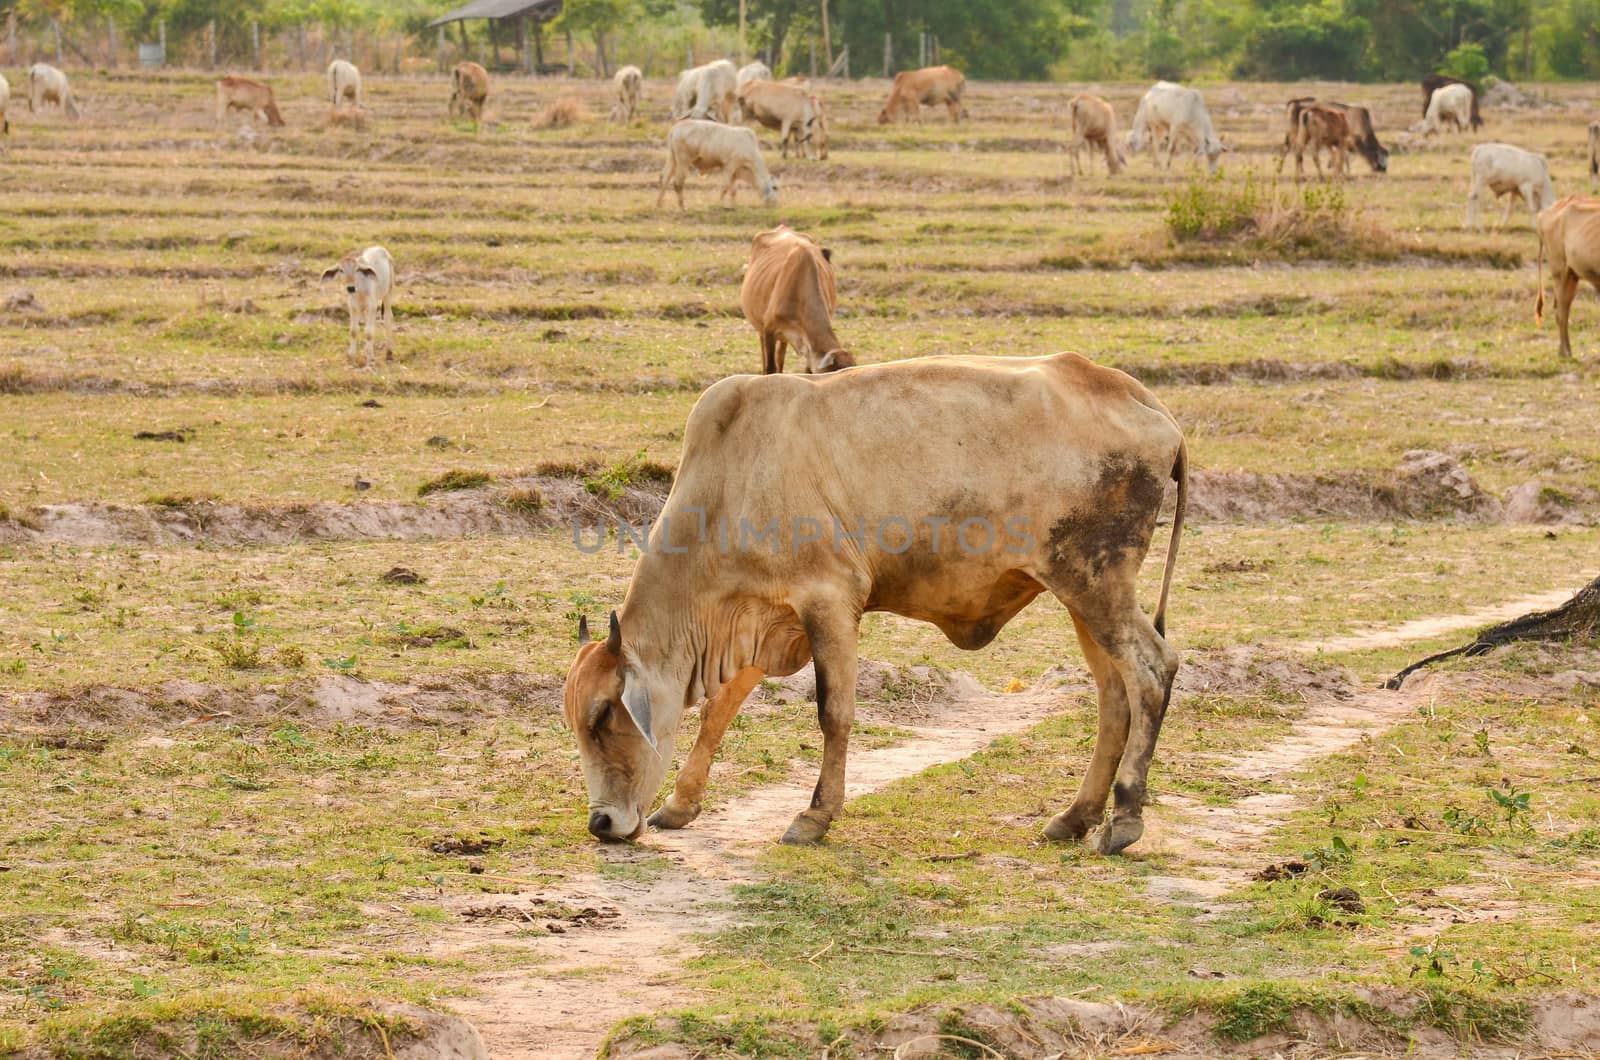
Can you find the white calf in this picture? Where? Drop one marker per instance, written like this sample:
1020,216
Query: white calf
344,83
369,283
1510,171
1453,104
46,84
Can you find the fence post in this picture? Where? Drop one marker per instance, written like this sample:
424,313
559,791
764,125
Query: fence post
255,43
11,37
161,33
572,56
55,27
888,54
813,43
441,50
827,35
111,36
211,41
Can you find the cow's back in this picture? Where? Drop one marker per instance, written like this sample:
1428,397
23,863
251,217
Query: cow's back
993,455
787,273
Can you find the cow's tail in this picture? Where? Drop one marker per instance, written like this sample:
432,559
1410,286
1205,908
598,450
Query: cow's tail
1180,475
1538,305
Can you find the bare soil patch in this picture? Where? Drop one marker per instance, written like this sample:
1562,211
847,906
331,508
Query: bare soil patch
1426,485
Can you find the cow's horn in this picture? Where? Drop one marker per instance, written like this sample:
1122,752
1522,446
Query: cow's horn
583,630
614,637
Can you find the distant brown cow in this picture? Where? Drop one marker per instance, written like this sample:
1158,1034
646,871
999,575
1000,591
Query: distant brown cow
793,111
914,89
1318,128
1094,125
789,298
1362,134
469,87
1570,232
249,95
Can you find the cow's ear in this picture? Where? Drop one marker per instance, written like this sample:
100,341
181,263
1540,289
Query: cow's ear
583,630
637,702
367,270
331,273
827,253
614,636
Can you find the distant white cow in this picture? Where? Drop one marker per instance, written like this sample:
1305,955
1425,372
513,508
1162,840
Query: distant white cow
344,83
369,285
706,92
5,98
1452,104
753,71
1169,112
1513,172
46,84
708,146
628,82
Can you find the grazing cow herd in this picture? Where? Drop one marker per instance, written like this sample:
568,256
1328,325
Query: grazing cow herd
1085,453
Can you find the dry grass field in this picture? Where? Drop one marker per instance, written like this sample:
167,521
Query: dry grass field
262,795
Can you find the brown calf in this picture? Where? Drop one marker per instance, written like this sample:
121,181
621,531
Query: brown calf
469,87
249,95
1094,125
1320,127
914,89
1570,232
789,298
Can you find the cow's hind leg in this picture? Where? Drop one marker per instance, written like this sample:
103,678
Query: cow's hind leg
1566,291
683,805
1146,665
1089,809
833,636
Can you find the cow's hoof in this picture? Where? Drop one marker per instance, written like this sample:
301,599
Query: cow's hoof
1118,835
672,815
807,828
1065,828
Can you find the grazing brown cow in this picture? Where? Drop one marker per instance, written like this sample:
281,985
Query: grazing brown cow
1433,82
951,490
1362,134
1094,125
789,298
469,87
1570,232
914,89
793,111
1318,128
249,95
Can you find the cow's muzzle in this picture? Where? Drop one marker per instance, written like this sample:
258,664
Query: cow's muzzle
608,826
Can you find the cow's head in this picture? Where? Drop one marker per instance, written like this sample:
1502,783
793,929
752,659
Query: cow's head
348,270
608,705
832,361
769,192
1135,140
819,129
1380,160
886,115
1214,149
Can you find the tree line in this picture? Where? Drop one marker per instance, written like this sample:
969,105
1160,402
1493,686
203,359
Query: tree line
1349,40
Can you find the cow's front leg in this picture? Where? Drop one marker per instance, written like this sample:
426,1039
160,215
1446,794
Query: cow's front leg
355,334
833,648
683,805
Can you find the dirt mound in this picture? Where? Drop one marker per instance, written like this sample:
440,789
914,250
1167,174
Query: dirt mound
888,693
436,700
1425,485
380,1031
1251,670
1566,1025
463,513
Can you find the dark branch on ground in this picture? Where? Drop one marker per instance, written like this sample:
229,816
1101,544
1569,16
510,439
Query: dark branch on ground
1579,617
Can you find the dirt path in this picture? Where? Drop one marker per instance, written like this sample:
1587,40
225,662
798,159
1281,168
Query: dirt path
591,977
660,894
1425,628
